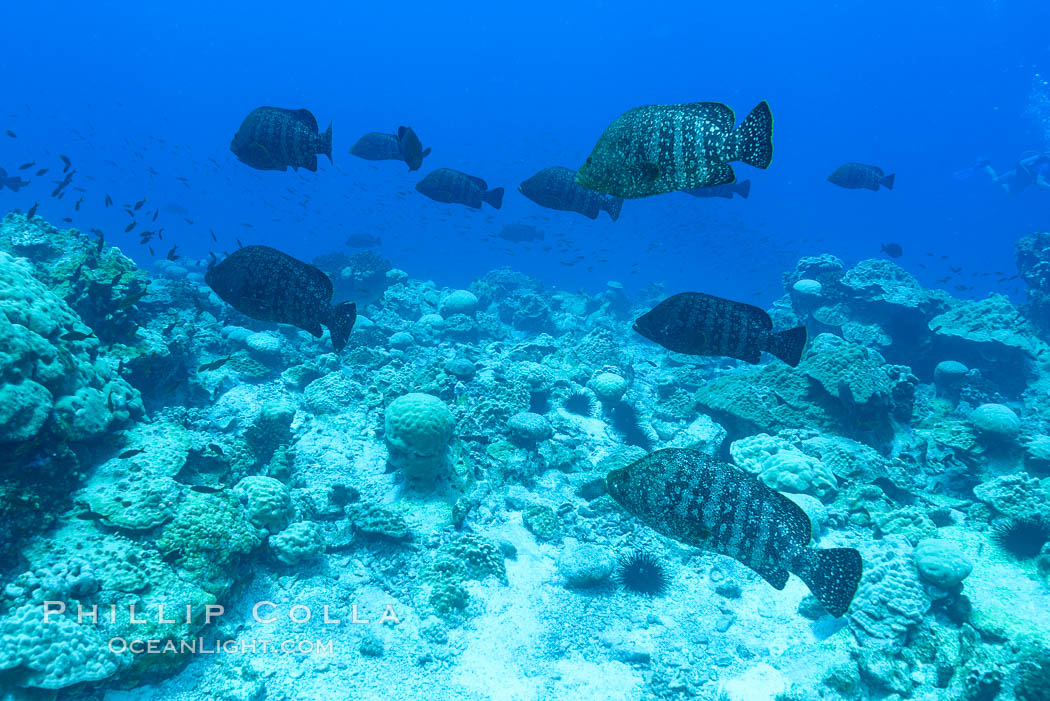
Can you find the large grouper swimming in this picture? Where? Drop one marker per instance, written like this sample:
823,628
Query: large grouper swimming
697,500
268,285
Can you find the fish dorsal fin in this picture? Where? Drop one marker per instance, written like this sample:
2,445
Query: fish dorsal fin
401,132
306,116
479,182
713,112
426,152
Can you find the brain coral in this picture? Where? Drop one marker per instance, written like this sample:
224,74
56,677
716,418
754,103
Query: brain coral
300,541
418,429
609,386
459,302
996,421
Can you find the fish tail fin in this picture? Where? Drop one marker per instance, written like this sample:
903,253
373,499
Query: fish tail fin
340,322
832,575
743,188
613,205
752,141
326,143
887,182
788,345
494,197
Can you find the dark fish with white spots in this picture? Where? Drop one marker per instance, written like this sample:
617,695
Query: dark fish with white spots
741,189
695,323
667,148
556,188
453,187
857,176
273,138
268,285
377,146
695,499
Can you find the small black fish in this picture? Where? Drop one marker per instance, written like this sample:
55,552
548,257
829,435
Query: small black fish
695,323
66,161
150,249
42,171
854,176
138,205
12,134
129,227
205,489
188,220
76,207
76,336
215,364
453,187
131,453
67,220
32,210
172,255
109,201
89,515
212,235
893,250
156,213
215,447
132,299
27,166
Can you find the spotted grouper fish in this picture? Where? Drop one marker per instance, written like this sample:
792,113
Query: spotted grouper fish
556,188
268,285
697,500
273,138
402,146
453,187
695,323
667,148
855,176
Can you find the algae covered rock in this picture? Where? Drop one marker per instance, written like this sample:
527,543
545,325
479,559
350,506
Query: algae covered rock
299,542
941,563
542,522
266,502
585,565
782,466
55,654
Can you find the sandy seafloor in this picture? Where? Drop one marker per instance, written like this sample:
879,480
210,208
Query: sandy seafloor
448,465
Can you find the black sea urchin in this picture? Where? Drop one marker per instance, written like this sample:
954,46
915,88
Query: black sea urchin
642,572
1022,537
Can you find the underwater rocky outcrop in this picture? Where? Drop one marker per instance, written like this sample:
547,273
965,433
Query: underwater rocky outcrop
162,449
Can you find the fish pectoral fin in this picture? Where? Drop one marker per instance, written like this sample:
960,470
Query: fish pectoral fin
776,576
650,170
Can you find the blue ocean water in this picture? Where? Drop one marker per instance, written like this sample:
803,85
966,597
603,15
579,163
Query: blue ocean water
501,92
